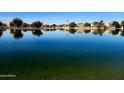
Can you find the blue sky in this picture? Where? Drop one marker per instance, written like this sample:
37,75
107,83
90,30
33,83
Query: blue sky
62,17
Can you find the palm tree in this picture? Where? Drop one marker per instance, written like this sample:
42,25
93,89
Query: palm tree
12,24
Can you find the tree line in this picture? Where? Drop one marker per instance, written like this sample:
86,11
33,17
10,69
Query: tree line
18,23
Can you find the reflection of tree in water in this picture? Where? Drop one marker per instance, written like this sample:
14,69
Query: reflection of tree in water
25,30
115,32
17,34
72,31
122,33
98,32
46,29
87,31
49,29
61,29
37,32
11,31
52,29
1,33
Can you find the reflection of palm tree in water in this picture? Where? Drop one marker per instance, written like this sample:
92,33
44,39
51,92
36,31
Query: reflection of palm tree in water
37,32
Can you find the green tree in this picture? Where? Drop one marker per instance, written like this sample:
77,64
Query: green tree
99,24
87,24
72,25
1,24
12,24
53,25
5,25
16,22
122,23
26,25
115,24
36,24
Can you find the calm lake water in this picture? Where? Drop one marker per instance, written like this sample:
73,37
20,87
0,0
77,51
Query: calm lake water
62,54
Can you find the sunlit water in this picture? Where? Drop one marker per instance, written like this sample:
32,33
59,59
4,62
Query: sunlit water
62,54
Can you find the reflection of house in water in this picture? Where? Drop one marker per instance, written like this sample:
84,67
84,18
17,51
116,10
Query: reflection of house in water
98,31
80,30
107,31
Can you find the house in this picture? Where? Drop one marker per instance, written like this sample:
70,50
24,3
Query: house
80,24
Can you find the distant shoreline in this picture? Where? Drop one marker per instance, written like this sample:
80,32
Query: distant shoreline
76,28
